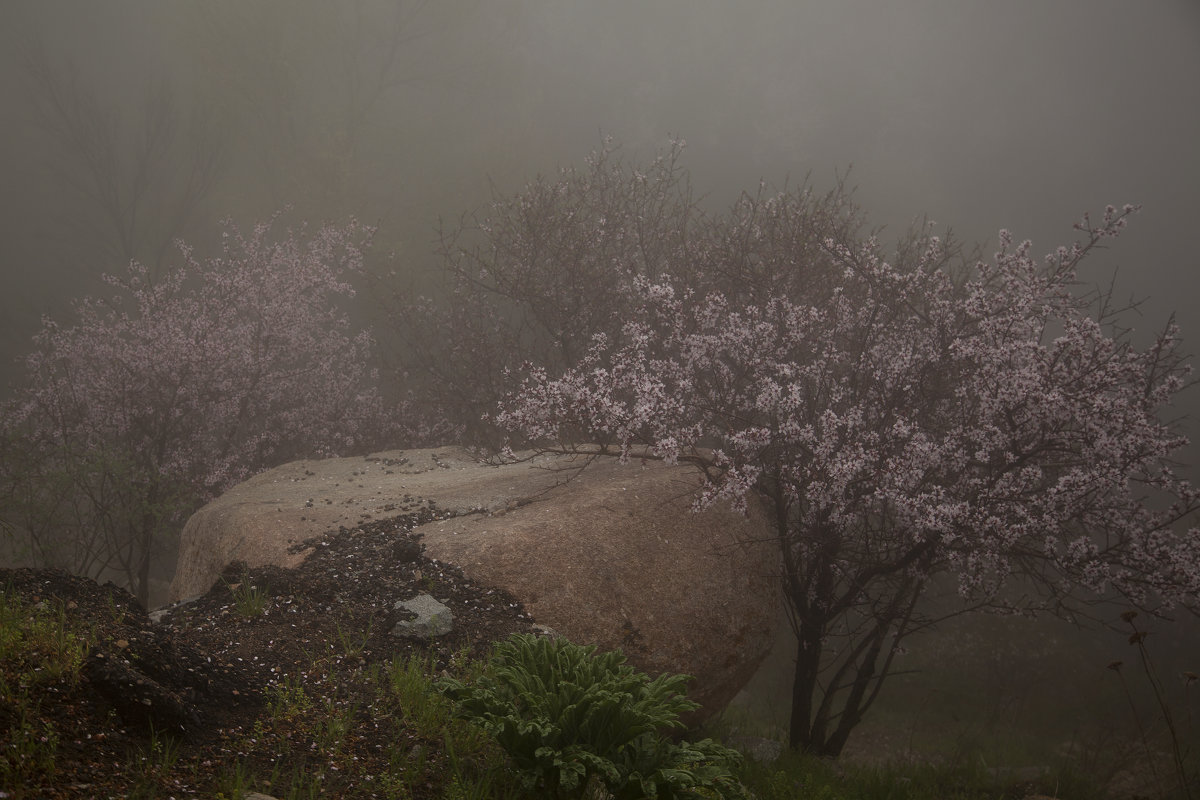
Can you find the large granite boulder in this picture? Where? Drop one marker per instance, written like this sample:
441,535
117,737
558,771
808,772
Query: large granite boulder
610,554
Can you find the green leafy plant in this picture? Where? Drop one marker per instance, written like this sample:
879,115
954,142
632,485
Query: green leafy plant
352,644
150,767
251,600
30,747
337,722
39,642
233,782
39,650
570,718
288,700
470,762
407,683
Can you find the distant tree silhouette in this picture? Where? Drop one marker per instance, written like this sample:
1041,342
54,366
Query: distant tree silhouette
132,183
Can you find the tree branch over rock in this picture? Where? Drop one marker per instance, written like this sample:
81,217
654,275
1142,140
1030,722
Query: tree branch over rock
905,418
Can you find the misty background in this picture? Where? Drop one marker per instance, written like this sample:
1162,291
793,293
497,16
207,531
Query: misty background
980,115
130,123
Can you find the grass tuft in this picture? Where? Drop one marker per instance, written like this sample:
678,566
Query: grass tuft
39,651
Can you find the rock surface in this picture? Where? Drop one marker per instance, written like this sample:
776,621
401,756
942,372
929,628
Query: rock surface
609,555
432,619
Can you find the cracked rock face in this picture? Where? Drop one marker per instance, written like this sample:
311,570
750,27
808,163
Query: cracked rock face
609,554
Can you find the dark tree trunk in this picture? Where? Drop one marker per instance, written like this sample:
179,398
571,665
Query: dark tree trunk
143,578
810,722
801,719
805,733
853,677
145,540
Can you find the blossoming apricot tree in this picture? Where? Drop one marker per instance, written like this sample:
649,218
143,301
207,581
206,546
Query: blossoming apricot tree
539,272
902,421
167,392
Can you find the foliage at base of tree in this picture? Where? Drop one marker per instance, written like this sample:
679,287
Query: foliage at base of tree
569,717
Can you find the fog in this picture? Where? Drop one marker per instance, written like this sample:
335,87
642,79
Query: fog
980,115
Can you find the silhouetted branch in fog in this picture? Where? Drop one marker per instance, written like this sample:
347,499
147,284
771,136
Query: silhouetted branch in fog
137,179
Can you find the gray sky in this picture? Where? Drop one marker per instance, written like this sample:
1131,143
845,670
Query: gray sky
980,114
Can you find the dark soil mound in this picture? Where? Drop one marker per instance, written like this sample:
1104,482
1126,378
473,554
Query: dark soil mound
199,675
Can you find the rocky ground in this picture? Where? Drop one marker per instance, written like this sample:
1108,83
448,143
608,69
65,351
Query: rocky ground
173,707
195,681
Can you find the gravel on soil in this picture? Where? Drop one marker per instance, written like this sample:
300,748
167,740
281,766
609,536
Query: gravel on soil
211,662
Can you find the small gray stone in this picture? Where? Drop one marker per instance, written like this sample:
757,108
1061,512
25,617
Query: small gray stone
433,618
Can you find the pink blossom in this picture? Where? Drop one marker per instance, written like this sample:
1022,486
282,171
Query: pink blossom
224,366
950,410
899,424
